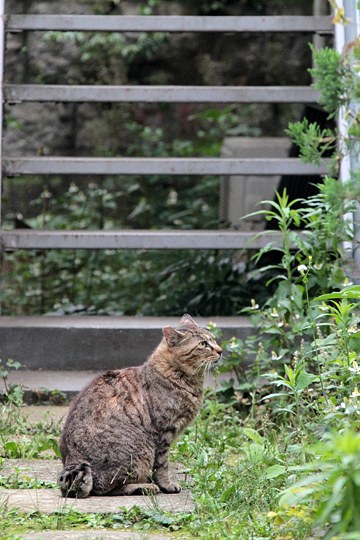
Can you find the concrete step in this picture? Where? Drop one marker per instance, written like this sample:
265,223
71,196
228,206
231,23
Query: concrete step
54,387
83,343
58,387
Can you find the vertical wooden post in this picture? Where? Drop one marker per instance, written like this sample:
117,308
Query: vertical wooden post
2,55
320,8
345,34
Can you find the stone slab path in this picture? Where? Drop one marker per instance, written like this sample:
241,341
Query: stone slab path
93,535
49,500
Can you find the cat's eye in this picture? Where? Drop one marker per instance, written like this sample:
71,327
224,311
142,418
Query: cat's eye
203,344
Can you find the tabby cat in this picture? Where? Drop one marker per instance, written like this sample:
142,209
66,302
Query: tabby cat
119,429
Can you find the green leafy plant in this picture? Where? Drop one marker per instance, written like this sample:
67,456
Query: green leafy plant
20,480
332,485
26,448
296,380
336,77
332,78
14,393
312,140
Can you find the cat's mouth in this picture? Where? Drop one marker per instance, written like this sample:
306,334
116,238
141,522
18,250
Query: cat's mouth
210,363
215,360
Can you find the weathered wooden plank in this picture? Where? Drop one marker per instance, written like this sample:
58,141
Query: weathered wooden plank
135,239
133,23
178,94
169,166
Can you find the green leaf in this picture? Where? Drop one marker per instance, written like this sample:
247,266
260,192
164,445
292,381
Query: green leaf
283,382
272,396
12,449
349,292
356,477
253,435
333,501
55,447
304,380
290,373
293,496
13,364
275,471
286,410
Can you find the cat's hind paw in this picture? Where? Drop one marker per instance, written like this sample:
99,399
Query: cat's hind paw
76,481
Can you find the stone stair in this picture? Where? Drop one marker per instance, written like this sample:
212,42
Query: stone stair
62,354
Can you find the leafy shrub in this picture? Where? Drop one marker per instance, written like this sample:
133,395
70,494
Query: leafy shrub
332,485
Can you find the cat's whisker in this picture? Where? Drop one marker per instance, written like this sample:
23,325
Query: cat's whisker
198,369
209,366
203,365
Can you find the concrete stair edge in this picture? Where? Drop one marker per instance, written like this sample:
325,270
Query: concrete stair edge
84,343
59,387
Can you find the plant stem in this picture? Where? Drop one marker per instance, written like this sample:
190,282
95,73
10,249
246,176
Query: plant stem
313,326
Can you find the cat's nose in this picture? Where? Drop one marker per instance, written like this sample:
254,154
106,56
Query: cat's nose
219,351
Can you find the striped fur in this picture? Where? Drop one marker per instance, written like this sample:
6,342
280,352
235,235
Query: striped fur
119,429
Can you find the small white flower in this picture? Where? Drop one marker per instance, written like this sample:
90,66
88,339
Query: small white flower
355,368
344,407
73,188
341,406
254,306
46,194
172,197
302,268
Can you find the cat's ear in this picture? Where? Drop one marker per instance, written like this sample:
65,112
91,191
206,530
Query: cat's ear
172,336
186,320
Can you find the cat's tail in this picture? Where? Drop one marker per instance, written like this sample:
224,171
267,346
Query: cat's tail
76,481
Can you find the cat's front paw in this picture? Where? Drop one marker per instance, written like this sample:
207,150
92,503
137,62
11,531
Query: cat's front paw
171,487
